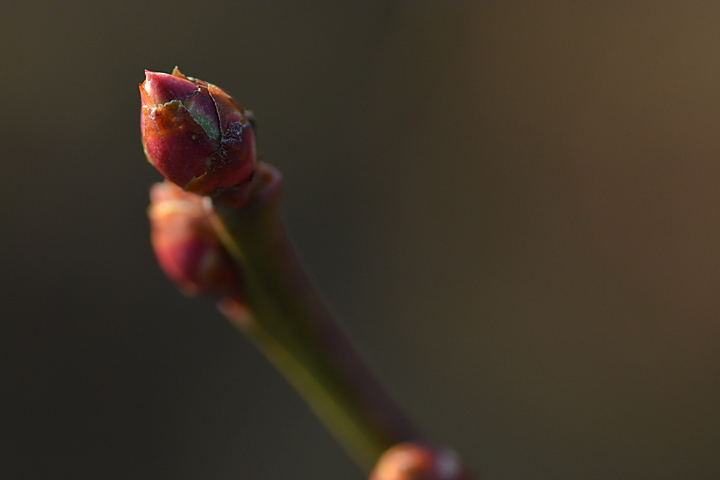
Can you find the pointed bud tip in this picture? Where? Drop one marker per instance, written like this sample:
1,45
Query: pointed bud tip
162,88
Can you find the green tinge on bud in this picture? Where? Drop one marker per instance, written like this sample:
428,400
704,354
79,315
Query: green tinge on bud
195,133
186,245
418,461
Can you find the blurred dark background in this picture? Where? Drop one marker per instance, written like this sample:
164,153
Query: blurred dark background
514,207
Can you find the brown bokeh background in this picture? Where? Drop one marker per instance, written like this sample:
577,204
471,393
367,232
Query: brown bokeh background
514,207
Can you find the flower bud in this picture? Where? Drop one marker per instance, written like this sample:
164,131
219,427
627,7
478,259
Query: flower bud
186,245
195,134
417,461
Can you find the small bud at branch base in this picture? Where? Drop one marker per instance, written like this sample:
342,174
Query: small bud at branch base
418,461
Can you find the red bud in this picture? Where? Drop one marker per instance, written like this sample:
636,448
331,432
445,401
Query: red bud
195,134
186,245
416,461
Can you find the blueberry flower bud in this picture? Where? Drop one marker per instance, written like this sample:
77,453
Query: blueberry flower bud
417,461
186,245
195,134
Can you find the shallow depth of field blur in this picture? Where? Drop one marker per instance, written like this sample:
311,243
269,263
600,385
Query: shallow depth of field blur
514,207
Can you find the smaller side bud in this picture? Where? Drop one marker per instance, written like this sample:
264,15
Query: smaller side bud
186,245
418,461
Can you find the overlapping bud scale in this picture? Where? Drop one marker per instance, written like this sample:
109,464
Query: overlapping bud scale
195,133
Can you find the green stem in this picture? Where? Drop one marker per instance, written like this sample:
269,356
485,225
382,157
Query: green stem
294,328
